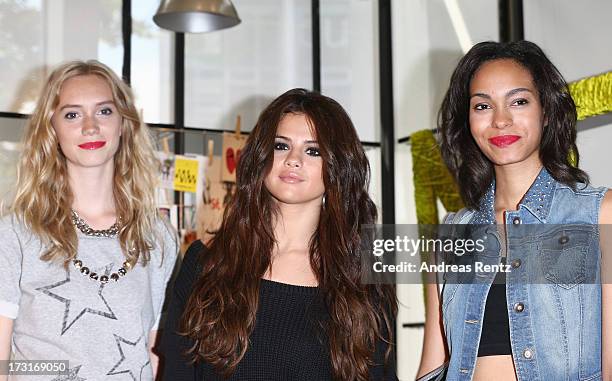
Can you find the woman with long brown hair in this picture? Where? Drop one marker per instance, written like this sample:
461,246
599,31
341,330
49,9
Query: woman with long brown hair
277,292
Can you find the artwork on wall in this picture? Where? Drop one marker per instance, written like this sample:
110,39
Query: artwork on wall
213,200
232,146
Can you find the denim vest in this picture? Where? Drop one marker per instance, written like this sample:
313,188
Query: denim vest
555,326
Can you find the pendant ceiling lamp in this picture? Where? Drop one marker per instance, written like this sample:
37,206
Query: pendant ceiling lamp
196,16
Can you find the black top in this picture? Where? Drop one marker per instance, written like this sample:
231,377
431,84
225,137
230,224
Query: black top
495,335
285,343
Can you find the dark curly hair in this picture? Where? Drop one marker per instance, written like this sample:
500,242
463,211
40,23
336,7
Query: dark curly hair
472,169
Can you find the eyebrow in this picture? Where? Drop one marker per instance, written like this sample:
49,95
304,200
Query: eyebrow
77,106
508,94
287,139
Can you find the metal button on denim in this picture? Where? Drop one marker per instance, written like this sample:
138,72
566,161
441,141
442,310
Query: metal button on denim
516,263
516,220
519,307
564,212
563,239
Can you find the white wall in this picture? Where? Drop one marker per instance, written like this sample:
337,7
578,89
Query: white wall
349,61
575,36
594,149
429,37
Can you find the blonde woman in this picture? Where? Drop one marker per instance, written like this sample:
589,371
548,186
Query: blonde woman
84,258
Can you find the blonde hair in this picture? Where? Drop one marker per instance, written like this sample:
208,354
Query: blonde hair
43,197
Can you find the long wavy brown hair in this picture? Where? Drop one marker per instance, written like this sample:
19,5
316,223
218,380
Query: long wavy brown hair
43,198
220,313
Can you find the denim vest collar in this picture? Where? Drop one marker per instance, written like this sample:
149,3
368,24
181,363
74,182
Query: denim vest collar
537,200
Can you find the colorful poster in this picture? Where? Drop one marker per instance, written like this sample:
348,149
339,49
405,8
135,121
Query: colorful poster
185,174
166,169
215,196
232,145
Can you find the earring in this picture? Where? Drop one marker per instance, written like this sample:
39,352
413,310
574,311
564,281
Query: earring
323,202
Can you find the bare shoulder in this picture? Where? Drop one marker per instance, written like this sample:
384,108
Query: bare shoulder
605,212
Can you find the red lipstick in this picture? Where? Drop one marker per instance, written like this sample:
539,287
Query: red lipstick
92,145
504,140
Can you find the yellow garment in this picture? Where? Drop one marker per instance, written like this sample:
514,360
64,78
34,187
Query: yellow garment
592,95
432,180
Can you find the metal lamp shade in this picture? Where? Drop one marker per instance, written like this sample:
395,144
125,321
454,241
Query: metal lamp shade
196,16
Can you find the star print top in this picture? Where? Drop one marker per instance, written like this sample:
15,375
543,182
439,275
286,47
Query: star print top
60,314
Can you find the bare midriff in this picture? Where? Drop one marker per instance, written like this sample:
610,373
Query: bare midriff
498,368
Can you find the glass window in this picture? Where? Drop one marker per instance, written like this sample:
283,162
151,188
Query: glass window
38,35
238,71
152,69
349,61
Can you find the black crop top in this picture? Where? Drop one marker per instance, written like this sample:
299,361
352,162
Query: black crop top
495,335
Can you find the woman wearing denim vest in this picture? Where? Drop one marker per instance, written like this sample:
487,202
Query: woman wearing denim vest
508,131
